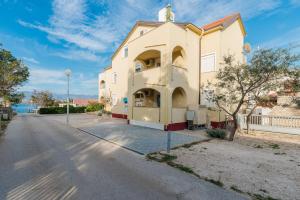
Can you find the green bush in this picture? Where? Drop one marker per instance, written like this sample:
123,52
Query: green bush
298,103
61,110
92,107
216,133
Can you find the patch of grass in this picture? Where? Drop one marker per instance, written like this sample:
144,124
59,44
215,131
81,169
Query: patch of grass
280,153
181,167
263,190
218,182
3,126
168,158
216,133
235,188
258,146
152,156
261,197
190,144
274,146
159,157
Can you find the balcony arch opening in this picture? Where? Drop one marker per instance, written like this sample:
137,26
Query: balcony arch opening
179,98
147,60
147,97
178,57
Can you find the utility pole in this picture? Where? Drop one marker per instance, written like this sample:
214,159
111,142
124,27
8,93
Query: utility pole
68,74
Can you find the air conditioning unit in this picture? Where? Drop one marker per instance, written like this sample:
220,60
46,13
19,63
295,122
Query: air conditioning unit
197,115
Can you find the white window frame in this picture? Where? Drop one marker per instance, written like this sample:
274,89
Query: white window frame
203,69
125,52
138,67
114,78
114,99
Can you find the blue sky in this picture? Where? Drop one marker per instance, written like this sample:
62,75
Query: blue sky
52,35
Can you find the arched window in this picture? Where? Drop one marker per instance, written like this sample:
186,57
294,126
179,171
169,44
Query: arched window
102,84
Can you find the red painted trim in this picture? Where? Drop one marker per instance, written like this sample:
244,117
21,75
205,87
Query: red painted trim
121,116
176,126
221,125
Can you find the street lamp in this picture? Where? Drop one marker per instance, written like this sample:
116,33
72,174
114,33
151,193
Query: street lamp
68,73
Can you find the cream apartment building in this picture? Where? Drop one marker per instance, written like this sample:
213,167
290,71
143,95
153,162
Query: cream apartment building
161,69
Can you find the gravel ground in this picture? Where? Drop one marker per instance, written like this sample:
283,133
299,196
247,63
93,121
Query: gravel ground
260,163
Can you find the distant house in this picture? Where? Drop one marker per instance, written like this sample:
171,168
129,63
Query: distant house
78,102
83,102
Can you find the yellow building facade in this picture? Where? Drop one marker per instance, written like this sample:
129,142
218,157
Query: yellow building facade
161,68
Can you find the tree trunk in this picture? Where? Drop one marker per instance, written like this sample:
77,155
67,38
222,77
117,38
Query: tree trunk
233,129
248,118
247,123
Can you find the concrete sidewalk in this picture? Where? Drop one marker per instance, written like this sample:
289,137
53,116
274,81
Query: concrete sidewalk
138,139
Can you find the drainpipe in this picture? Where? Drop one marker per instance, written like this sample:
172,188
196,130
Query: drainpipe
200,39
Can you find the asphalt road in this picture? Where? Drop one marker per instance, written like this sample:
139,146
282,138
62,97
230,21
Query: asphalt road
41,159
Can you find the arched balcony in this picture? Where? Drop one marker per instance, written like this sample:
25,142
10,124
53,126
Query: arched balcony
146,105
179,105
147,60
179,98
178,57
147,98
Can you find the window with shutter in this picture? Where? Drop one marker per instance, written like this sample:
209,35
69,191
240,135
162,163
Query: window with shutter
208,63
125,52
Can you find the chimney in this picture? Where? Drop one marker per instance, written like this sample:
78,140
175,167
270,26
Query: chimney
166,14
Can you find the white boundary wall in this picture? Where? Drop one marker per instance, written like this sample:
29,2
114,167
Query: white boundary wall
277,124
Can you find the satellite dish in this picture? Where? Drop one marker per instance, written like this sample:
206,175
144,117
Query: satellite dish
247,48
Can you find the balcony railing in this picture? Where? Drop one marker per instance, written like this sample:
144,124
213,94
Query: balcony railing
150,76
178,73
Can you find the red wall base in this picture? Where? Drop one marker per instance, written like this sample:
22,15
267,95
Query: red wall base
221,125
176,126
120,116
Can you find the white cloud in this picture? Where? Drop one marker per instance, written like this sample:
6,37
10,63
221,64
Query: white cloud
31,60
46,76
56,82
102,29
74,22
85,33
204,11
78,55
